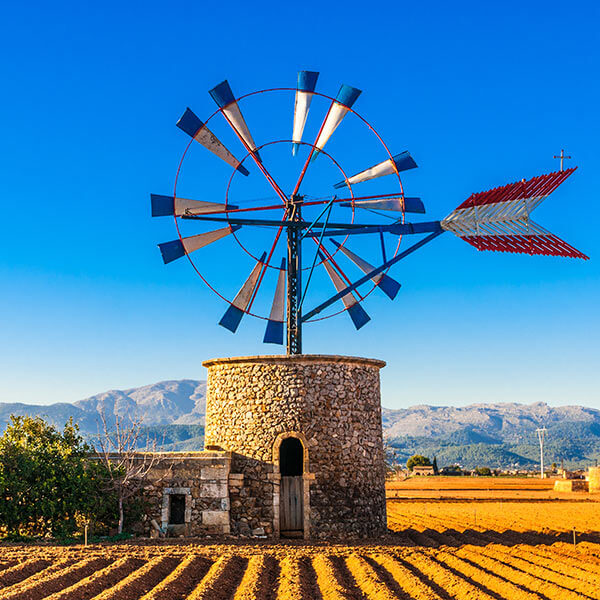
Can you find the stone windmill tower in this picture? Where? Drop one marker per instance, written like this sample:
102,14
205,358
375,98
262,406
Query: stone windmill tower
305,432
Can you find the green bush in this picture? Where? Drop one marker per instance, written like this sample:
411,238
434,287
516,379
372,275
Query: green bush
48,485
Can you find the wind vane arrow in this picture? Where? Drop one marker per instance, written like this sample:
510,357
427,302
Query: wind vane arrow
499,219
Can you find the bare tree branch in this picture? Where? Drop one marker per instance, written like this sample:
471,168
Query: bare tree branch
126,464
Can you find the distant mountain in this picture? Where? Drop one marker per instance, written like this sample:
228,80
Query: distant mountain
165,403
495,435
508,422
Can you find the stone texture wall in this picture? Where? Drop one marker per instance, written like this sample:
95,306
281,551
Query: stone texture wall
203,477
571,485
593,477
332,404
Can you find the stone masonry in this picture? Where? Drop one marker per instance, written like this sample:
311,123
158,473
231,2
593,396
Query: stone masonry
332,405
203,479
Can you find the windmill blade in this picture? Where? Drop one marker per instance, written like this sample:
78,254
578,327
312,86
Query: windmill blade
397,204
165,206
499,219
197,130
355,310
274,330
177,248
344,100
225,100
401,162
390,287
237,309
307,82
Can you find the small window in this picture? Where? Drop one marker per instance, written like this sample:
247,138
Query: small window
176,509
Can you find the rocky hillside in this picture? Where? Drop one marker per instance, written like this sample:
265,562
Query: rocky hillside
164,403
477,435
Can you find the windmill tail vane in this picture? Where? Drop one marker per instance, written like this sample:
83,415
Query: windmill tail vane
496,220
499,219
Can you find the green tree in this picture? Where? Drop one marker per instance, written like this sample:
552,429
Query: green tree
46,480
436,471
485,471
417,460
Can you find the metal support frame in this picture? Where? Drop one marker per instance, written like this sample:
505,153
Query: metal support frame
297,230
294,277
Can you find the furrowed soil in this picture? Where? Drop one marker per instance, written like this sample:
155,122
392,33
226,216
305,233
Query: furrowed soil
503,547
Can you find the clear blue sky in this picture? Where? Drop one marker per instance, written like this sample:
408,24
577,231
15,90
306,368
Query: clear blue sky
481,95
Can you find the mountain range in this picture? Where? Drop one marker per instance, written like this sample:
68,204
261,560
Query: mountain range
494,435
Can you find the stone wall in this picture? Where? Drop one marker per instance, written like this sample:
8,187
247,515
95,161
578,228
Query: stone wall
203,478
571,485
593,477
332,404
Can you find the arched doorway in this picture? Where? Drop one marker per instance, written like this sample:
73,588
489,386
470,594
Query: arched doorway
291,502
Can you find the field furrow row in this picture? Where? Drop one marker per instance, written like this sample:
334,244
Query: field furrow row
20,571
139,581
100,580
524,580
569,568
411,581
545,574
53,579
182,580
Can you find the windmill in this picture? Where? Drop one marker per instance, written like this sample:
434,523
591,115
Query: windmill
347,228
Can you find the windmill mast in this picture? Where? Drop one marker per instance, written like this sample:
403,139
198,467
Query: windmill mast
294,281
541,432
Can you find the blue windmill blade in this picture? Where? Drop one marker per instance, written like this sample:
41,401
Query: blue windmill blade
177,248
400,162
237,309
168,206
197,130
307,82
357,313
274,330
344,101
390,287
396,204
223,96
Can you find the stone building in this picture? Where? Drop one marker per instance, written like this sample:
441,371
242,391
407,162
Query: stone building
293,448
423,470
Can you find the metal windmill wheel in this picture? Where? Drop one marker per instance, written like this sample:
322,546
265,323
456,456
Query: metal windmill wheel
303,234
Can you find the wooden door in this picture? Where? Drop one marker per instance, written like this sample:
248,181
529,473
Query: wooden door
291,506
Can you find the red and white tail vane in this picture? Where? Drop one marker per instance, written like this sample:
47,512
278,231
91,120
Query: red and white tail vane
499,219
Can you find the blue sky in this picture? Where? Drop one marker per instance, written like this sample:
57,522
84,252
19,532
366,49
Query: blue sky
481,95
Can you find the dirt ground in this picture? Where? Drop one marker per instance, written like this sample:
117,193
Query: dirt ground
437,550
481,488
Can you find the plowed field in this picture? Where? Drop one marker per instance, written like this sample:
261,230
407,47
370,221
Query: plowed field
434,553
479,488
